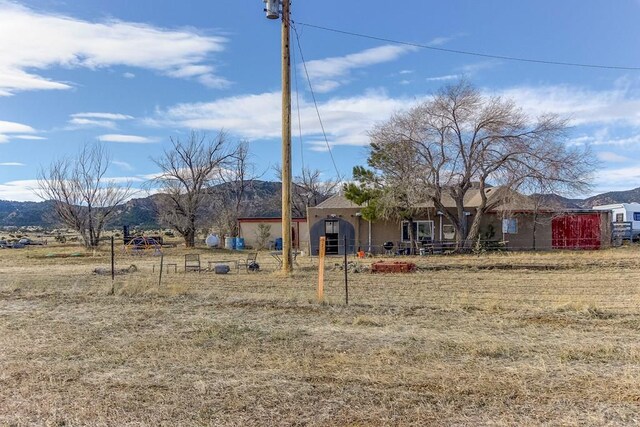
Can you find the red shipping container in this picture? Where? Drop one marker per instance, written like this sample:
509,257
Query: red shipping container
578,231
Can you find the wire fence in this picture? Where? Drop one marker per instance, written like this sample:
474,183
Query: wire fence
600,281
443,247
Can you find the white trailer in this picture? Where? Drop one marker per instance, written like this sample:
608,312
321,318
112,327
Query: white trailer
624,212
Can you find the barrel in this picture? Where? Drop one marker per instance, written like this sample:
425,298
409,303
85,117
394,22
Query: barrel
279,244
239,243
229,243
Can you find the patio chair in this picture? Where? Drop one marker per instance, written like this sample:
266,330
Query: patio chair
192,262
248,261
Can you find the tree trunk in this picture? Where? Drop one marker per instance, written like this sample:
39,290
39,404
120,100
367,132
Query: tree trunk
461,227
534,228
190,237
412,238
474,231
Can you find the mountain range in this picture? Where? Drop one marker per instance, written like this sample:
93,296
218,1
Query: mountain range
262,201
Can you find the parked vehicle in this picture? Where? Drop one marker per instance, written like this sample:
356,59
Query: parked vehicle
625,212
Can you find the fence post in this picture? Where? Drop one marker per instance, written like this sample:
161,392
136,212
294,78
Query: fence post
321,254
113,270
346,275
160,276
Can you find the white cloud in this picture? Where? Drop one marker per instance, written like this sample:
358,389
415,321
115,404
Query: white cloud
472,69
13,127
618,179
133,139
610,157
19,191
28,137
123,165
583,106
329,73
74,43
128,75
9,129
97,119
105,116
346,120
79,122
12,164
443,78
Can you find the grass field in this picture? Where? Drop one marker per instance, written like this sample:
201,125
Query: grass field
501,339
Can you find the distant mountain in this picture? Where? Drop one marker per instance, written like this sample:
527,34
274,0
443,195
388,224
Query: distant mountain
628,196
27,213
262,201
609,198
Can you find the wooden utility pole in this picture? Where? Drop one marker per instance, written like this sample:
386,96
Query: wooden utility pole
286,141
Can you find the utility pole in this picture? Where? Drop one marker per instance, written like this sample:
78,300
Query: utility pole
274,9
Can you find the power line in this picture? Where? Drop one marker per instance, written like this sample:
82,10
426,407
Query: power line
470,53
315,103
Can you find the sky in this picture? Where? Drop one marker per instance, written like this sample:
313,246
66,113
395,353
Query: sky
133,74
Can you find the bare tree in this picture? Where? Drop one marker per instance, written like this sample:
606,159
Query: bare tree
188,169
462,140
229,200
84,199
309,190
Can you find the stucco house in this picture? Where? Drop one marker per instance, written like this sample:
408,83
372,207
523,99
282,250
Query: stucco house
249,230
516,224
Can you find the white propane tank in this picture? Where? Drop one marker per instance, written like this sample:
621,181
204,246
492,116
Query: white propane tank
212,241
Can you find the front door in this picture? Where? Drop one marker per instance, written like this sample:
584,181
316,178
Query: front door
331,234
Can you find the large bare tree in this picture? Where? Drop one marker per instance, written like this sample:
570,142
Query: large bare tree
309,189
84,199
187,170
461,139
228,201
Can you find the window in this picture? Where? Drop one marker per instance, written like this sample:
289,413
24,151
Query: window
422,231
331,226
620,217
636,216
510,226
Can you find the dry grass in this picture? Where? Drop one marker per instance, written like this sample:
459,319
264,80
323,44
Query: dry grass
504,339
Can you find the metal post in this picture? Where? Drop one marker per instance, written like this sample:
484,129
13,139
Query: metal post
113,262
287,263
161,266
346,275
321,254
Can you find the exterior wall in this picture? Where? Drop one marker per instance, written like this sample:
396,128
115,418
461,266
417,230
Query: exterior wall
348,215
390,231
524,239
381,231
249,231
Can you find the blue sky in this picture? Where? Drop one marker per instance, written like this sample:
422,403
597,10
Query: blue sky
134,73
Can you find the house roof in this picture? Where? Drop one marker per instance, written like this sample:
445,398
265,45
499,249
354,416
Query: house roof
269,219
472,199
514,203
337,201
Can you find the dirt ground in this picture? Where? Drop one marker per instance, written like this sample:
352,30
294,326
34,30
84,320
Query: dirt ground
496,339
